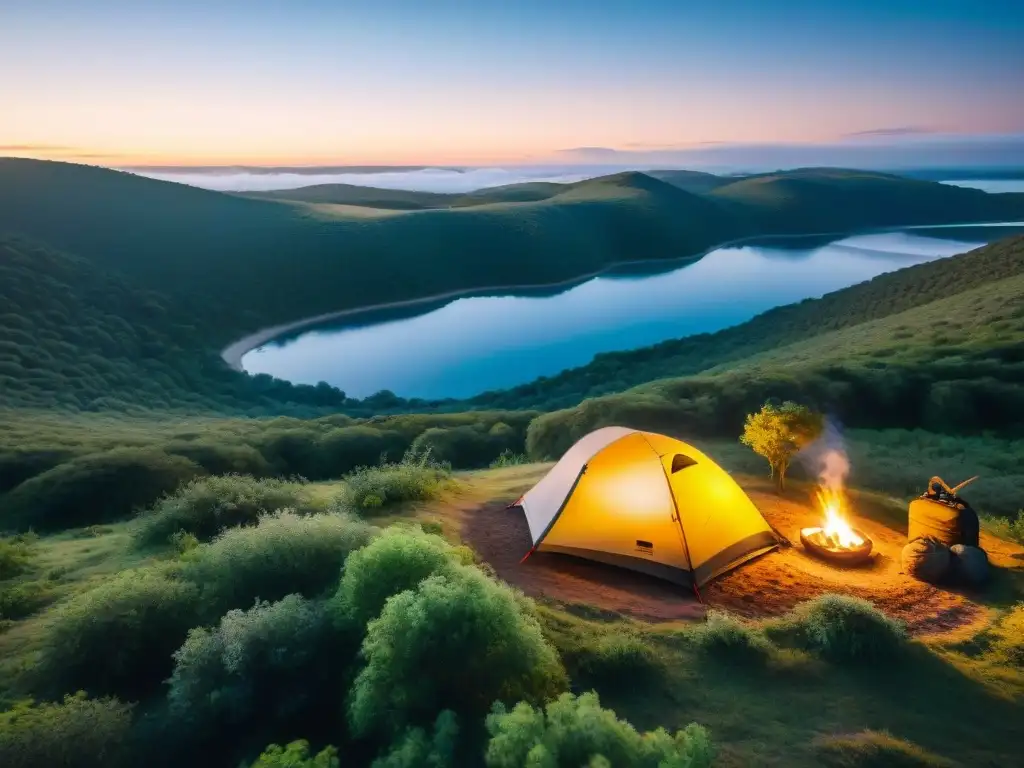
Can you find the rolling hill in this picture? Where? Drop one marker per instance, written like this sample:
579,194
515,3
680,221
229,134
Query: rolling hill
188,270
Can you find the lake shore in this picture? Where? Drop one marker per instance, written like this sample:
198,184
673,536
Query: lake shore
234,352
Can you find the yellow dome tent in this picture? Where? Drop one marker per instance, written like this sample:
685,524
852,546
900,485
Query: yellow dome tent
646,502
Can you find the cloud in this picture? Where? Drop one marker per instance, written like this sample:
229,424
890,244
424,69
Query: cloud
35,148
905,130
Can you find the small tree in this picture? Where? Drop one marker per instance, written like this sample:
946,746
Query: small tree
778,432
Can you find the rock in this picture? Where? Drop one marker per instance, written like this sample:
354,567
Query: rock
970,564
927,559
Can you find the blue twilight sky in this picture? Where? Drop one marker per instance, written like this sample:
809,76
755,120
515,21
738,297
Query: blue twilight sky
478,82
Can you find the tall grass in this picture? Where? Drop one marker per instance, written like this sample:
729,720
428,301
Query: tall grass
417,477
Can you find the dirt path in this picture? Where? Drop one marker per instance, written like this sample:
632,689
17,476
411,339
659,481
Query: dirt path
767,586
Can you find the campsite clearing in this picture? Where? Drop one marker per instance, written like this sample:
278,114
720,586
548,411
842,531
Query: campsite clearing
767,586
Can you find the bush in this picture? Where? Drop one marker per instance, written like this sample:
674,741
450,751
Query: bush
415,478
468,446
76,733
98,488
459,641
286,553
20,600
262,663
118,637
16,552
296,755
419,749
618,661
724,635
206,506
873,749
396,560
579,732
509,459
843,628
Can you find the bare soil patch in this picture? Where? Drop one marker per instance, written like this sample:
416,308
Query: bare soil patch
766,586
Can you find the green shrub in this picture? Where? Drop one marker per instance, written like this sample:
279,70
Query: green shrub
724,635
98,488
619,660
260,664
219,458
459,641
844,628
76,733
414,478
183,542
509,459
284,554
16,553
417,748
117,638
578,731
396,560
207,505
873,749
296,755
20,600
468,446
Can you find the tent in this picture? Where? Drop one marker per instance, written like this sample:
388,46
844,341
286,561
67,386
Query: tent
647,502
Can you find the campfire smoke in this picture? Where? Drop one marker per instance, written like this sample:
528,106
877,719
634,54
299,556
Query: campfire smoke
826,458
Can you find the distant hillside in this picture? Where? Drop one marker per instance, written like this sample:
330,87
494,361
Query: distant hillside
190,270
350,194
838,200
697,182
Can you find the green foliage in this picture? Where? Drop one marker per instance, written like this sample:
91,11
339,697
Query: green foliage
777,433
417,748
847,629
253,669
286,553
396,560
730,638
874,749
16,554
117,638
509,459
23,599
296,755
578,731
78,732
619,660
460,622
206,506
97,488
467,445
414,478
183,542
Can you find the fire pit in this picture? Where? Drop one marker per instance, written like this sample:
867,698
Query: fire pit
836,540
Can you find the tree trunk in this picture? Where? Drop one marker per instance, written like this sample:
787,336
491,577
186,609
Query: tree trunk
782,477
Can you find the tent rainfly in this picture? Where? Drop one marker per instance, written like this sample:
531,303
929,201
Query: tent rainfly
646,502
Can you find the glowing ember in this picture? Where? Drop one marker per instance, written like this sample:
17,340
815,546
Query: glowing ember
836,530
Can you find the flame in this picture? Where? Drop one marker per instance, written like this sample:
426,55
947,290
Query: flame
836,529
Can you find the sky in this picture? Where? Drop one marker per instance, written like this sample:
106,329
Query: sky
479,82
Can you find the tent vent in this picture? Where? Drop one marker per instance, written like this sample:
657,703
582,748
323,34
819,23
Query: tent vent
647,547
681,462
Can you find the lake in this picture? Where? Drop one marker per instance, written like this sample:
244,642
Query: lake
461,347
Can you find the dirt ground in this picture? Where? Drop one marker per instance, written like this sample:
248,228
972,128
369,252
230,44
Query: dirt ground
768,585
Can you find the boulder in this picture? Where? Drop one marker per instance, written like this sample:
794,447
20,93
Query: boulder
926,558
970,564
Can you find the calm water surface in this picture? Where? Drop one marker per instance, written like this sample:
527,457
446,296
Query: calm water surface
462,347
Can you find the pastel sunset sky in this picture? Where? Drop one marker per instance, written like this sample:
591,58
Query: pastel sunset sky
477,82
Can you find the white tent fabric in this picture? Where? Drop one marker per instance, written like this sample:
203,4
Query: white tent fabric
543,501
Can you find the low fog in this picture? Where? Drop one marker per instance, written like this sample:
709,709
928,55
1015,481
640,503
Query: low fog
425,180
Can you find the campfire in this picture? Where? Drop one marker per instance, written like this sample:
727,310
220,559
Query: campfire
836,540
